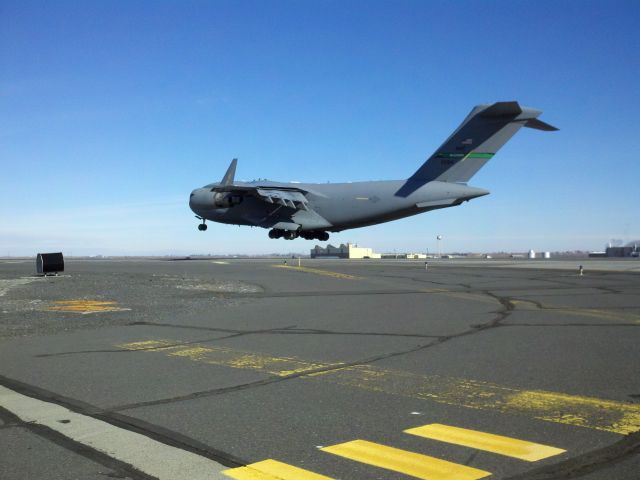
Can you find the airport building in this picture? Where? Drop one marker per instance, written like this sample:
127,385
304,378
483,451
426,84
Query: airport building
631,249
404,255
349,250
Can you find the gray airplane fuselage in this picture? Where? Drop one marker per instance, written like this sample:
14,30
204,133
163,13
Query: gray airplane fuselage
310,210
338,206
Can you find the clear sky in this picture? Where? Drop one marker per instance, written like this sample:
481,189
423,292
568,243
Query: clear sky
111,112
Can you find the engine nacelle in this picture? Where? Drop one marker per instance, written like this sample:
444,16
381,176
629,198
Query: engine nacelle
226,200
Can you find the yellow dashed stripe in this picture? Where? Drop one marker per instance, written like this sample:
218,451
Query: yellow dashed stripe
488,442
581,312
272,470
594,413
227,357
85,306
409,463
318,271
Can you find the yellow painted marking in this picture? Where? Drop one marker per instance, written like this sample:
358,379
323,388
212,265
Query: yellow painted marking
575,410
477,297
85,306
409,463
510,447
148,345
272,470
318,271
227,357
582,312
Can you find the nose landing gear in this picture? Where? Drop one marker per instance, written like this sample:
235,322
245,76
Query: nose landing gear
203,226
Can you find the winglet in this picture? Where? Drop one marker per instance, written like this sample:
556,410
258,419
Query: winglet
231,173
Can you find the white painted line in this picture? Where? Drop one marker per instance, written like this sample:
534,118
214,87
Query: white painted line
144,454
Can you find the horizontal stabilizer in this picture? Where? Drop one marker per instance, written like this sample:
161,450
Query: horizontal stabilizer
485,130
502,109
540,125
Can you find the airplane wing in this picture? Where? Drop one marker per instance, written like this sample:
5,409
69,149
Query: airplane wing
288,197
297,213
227,189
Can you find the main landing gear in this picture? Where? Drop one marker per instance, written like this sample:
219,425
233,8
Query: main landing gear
291,234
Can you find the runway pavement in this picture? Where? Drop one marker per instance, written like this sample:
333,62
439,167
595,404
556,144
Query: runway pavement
257,369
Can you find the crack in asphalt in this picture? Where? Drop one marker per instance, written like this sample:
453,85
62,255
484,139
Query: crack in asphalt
234,334
324,293
571,325
589,462
288,331
506,309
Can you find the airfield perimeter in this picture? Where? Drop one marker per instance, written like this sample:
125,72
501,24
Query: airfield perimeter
346,369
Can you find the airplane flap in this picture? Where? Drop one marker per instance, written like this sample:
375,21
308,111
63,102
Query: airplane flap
288,198
286,226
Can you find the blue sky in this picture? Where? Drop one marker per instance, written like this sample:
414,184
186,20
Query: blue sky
111,112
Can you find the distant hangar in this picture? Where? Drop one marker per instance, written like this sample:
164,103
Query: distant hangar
351,250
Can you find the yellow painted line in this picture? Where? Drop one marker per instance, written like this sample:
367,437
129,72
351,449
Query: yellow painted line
488,442
575,410
148,345
409,463
477,297
85,306
272,470
227,357
582,312
318,271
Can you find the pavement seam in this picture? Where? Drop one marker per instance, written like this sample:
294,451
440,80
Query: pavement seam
154,432
85,451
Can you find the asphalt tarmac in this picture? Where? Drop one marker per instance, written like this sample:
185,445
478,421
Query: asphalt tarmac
256,369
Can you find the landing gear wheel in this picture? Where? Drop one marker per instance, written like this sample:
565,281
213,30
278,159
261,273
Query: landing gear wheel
202,227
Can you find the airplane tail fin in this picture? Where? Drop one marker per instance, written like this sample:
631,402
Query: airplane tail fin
485,130
231,173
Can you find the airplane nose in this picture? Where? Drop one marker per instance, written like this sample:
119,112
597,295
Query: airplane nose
192,200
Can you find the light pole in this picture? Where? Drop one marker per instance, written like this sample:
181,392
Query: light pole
439,238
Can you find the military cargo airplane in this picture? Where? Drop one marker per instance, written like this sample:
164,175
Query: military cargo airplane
311,210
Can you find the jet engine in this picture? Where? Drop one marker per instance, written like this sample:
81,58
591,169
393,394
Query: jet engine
226,200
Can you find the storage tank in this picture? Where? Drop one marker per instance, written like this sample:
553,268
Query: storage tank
532,254
547,254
